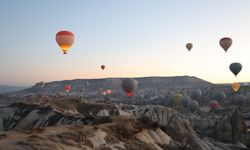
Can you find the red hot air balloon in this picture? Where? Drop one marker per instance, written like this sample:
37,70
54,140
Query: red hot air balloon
109,91
67,88
129,94
129,85
213,105
65,40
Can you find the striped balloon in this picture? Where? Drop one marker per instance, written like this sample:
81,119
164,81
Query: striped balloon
65,40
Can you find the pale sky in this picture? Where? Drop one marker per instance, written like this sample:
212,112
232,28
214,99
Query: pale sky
133,38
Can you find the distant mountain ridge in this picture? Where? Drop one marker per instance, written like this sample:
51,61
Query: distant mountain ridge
7,88
145,83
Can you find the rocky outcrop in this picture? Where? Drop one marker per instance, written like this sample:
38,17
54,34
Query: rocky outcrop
180,129
231,128
104,126
23,116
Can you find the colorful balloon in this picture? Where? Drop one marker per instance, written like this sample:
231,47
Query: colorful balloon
189,46
214,105
236,86
65,40
109,91
129,85
177,98
67,88
225,43
235,68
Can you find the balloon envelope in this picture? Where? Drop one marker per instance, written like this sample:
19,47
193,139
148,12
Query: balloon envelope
192,105
109,91
177,98
129,85
67,88
185,100
65,40
213,105
195,94
235,86
226,43
189,46
235,68
102,67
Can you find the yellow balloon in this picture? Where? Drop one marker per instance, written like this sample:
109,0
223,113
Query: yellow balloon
177,98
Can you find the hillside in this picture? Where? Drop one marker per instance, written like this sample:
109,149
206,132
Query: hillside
6,88
92,86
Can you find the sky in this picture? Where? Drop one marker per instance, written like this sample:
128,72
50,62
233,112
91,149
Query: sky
133,38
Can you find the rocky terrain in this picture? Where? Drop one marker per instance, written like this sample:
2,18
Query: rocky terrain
49,118
74,124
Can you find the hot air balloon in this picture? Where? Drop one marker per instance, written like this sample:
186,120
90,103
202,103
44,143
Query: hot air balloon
185,100
213,105
218,95
177,98
195,94
102,67
109,91
189,46
65,40
235,86
67,88
225,43
192,105
235,68
129,85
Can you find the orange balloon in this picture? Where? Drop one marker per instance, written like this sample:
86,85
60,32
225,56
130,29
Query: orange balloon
65,40
235,86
